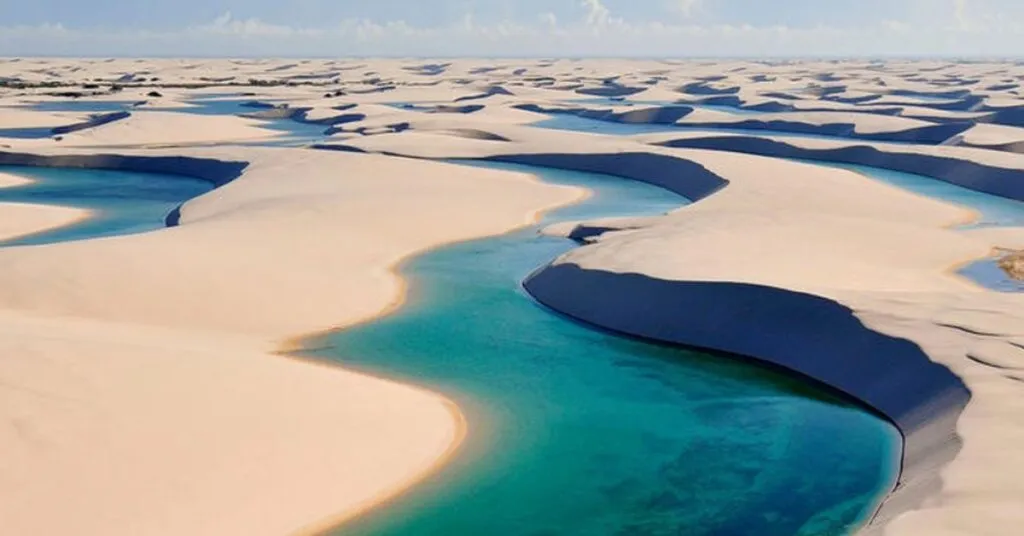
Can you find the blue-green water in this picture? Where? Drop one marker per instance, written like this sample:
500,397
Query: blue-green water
574,431
124,202
995,211
293,132
583,124
82,105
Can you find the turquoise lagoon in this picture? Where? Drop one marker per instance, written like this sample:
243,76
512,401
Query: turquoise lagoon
124,202
566,121
575,431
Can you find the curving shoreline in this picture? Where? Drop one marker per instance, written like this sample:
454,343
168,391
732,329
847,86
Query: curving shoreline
411,432
932,428
795,331
493,377
240,271
28,219
632,303
293,346
639,306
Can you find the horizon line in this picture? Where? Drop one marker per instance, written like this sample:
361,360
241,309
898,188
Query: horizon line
827,57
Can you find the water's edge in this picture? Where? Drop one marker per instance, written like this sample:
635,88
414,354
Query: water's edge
930,440
215,171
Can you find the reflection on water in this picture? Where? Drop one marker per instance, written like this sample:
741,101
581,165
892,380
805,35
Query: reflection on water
574,431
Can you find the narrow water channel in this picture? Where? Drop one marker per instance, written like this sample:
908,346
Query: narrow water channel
573,431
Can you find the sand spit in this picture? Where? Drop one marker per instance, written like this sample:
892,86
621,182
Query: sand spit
8,180
141,390
22,219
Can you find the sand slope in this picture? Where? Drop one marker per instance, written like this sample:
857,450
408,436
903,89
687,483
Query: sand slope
137,382
150,400
882,255
23,219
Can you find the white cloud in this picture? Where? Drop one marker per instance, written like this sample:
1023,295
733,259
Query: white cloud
688,7
960,11
598,33
226,24
896,25
597,14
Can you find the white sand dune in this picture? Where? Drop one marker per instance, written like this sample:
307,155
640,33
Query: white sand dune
140,389
8,180
154,128
884,253
140,378
24,118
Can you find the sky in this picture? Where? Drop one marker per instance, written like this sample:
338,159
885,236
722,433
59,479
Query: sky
513,28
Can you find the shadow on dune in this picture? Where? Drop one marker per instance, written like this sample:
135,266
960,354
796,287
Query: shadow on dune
656,115
702,88
670,115
429,69
1013,117
810,335
684,177
492,91
610,90
94,120
216,172
993,180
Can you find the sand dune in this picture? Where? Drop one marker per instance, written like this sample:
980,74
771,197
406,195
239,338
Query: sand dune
141,382
24,118
889,269
145,128
9,179
135,351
